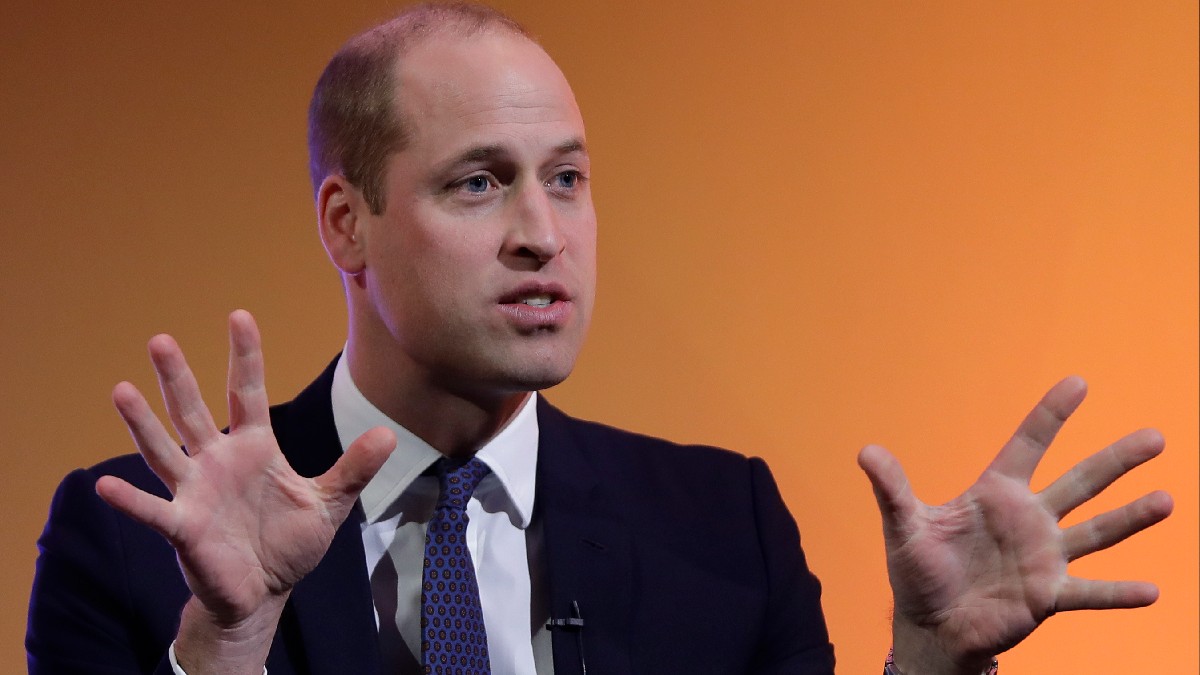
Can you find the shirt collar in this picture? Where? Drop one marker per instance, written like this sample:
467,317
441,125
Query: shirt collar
511,454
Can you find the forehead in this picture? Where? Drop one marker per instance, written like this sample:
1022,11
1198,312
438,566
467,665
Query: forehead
494,86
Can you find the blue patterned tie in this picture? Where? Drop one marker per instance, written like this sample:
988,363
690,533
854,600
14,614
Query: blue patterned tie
453,639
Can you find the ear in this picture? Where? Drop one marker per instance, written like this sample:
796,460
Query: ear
341,215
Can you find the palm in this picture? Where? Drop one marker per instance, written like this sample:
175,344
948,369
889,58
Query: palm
957,557
244,525
980,573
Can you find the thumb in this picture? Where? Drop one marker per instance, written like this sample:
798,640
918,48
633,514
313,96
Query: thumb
897,504
357,466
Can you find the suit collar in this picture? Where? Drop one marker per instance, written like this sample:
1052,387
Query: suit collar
511,454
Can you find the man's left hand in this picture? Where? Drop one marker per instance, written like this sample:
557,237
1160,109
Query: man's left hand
973,577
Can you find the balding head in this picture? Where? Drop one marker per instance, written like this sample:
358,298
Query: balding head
353,122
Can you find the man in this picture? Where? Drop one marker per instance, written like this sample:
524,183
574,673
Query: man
451,175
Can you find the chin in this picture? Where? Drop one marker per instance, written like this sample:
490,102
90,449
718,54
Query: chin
536,379
516,367
534,372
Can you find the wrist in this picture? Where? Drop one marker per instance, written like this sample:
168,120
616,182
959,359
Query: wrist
207,644
917,651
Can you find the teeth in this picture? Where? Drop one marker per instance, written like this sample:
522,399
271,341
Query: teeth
538,301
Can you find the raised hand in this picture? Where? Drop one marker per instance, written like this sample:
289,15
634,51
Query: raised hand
244,525
973,577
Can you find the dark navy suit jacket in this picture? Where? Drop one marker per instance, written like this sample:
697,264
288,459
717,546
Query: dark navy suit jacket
682,559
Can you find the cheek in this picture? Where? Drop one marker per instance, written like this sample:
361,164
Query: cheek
448,271
583,242
408,277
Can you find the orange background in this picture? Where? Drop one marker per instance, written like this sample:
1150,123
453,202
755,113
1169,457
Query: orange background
822,224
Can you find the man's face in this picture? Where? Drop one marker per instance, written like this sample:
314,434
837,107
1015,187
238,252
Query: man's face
481,269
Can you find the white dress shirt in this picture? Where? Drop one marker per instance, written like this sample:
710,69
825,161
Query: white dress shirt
398,503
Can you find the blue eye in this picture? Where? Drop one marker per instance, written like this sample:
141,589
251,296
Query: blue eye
567,179
476,184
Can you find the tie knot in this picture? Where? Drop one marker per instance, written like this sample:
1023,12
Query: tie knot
457,480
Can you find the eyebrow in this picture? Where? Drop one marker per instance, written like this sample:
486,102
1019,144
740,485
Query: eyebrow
573,145
477,154
486,152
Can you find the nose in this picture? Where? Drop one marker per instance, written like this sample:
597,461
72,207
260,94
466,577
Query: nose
535,235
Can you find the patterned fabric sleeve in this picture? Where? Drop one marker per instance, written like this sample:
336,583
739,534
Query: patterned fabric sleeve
889,666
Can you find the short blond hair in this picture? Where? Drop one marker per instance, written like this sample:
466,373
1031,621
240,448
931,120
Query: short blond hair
352,122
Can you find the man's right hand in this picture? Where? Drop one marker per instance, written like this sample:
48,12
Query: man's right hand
244,525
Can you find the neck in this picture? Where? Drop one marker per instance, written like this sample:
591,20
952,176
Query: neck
455,421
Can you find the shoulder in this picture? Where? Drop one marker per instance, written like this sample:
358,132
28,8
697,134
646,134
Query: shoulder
637,446
636,462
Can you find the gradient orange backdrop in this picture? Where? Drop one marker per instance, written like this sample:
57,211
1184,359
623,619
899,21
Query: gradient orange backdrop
822,224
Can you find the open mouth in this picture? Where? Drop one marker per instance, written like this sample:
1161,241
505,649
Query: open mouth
536,307
538,301
535,295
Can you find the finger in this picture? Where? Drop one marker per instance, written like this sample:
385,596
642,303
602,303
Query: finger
897,504
247,393
161,452
147,509
1091,594
1091,476
357,466
1020,456
1106,529
181,394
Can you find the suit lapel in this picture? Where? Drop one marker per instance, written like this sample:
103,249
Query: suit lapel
586,546
331,622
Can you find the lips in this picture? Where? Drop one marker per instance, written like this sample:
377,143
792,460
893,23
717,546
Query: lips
534,306
536,294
